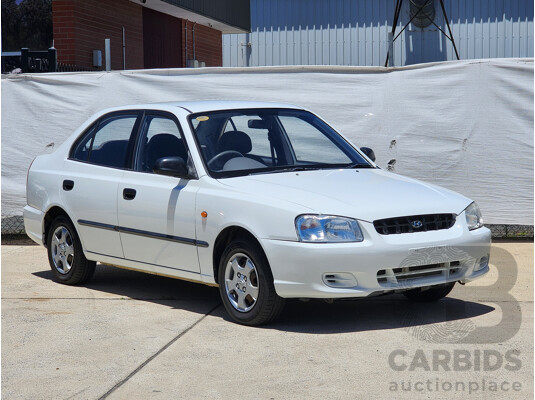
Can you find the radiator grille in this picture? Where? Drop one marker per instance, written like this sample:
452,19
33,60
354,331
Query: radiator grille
414,223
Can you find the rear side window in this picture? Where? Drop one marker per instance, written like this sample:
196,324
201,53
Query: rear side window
107,142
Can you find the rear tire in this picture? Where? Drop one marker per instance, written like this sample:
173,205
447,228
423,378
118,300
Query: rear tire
434,293
65,253
246,284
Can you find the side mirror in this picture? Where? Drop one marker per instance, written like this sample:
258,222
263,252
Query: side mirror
369,153
171,166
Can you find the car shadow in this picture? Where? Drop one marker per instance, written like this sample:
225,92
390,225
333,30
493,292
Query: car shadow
314,316
379,313
128,284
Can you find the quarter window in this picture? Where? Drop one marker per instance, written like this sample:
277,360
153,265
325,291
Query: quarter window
83,147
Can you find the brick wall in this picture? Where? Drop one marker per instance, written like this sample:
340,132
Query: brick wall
63,23
101,19
80,26
208,44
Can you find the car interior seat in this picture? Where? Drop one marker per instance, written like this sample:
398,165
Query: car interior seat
163,145
235,140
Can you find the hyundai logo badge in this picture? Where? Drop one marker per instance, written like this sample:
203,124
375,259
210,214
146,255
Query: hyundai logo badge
417,224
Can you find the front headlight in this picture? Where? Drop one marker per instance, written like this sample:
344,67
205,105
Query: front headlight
473,216
327,228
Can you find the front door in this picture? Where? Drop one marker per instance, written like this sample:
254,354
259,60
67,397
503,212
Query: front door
156,212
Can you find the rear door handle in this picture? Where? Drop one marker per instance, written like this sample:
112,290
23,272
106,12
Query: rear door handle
68,185
129,194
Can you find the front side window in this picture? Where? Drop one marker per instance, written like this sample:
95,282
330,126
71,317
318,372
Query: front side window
160,137
241,142
106,143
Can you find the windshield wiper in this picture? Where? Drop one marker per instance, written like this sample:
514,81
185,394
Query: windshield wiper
300,168
359,165
294,168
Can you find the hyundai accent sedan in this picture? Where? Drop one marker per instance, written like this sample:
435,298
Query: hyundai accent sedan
264,200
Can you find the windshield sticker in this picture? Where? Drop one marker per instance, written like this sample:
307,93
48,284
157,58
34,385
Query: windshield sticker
202,118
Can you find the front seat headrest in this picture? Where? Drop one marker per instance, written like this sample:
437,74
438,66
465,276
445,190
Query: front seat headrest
235,140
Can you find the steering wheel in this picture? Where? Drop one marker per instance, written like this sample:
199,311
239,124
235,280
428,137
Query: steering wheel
218,161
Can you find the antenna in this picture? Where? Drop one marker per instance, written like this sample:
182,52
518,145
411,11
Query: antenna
424,12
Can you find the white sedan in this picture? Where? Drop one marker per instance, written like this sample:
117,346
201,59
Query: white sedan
264,200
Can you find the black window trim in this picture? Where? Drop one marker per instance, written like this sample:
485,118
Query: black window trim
94,127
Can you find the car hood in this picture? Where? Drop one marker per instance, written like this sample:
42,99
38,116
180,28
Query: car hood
365,194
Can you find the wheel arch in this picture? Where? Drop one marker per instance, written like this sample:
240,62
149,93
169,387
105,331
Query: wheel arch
52,213
227,236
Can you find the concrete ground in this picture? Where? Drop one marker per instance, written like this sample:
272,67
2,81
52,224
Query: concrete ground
128,335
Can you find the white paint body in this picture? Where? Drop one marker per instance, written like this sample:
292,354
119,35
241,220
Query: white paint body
265,205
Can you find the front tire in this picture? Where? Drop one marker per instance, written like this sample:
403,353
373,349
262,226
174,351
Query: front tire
246,284
65,253
434,293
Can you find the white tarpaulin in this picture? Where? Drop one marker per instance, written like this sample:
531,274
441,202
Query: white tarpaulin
465,125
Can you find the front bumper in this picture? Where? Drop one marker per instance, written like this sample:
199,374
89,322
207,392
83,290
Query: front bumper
379,264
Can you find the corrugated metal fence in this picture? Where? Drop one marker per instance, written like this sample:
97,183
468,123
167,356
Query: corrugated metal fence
355,32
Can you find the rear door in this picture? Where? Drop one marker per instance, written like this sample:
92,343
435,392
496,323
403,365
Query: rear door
89,188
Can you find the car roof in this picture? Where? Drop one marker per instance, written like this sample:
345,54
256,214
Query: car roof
214,105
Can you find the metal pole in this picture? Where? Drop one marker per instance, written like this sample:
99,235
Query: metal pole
186,29
193,38
107,52
52,59
390,55
247,49
397,11
124,51
24,61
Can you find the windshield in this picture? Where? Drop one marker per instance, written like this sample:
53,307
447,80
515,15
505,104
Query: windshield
252,141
